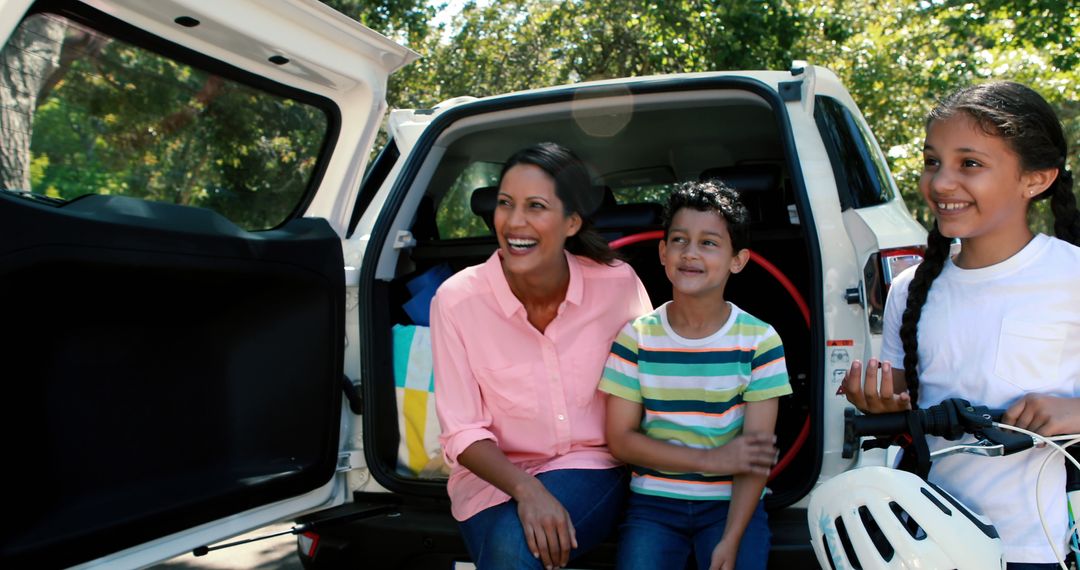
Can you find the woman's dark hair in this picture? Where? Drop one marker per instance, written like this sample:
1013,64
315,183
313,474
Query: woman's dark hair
574,187
1027,123
711,196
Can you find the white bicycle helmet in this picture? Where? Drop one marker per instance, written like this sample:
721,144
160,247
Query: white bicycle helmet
878,518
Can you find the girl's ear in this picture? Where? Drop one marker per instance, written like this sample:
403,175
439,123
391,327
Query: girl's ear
663,249
740,261
1036,182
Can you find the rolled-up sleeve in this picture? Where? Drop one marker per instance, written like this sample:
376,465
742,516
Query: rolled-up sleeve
462,414
642,305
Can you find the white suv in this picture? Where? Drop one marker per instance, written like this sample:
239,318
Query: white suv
214,312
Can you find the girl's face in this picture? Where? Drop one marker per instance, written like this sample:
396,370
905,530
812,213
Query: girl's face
529,221
974,183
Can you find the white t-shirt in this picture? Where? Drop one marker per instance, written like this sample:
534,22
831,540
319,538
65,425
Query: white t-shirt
989,336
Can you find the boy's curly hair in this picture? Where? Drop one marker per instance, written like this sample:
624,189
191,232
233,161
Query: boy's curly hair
712,196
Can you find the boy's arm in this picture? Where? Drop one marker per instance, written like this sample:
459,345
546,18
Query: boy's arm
760,419
748,453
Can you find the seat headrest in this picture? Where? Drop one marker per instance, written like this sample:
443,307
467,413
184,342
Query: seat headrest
745,178
482,201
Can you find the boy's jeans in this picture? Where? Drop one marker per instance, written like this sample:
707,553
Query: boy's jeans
594,498
662,533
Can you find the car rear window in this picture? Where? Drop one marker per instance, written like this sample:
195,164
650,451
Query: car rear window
454,216
86,113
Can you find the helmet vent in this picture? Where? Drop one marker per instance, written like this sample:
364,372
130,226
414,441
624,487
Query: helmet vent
845,540
884,548
825,541
910,524
926,493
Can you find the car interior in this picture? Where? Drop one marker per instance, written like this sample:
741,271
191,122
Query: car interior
636,147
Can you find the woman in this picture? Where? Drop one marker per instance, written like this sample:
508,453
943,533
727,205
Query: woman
519,344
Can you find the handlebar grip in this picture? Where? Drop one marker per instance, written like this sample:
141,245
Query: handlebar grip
856,426
878,424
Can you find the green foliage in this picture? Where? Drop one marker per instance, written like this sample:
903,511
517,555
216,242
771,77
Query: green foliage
190,138
897,57
499,47
122,120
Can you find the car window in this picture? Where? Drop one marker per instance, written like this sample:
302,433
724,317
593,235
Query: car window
656,193
86,113
454,217
862,177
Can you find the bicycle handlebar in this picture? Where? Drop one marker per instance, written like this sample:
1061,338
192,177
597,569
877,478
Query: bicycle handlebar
950,419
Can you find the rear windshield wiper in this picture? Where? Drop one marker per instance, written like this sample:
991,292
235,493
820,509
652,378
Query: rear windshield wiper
35,196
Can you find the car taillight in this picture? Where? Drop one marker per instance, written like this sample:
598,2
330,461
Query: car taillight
894,261
878,275
308,543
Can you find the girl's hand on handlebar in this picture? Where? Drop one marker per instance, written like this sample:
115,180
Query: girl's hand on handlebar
1045,415
861,388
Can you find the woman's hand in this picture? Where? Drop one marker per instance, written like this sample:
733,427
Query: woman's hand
1045,415
549,532
723,556
861,388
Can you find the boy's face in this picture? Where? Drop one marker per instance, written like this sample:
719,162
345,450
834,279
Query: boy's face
697,255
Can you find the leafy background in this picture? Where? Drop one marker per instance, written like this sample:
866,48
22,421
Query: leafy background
100,125
895,57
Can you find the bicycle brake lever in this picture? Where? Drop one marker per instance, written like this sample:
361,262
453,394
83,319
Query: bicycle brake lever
983,447
1011,441
993,442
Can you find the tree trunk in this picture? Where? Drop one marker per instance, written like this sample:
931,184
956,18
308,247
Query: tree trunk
28,59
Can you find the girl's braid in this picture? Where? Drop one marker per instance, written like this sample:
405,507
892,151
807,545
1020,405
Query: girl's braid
937,251
1063,205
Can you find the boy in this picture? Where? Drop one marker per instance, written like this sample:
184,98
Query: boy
694,388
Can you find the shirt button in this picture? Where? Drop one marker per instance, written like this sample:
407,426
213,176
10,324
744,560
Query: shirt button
561,417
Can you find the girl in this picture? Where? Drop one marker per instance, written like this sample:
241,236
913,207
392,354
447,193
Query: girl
999,324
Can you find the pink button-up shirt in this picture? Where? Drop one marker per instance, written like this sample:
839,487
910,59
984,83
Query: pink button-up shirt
534,394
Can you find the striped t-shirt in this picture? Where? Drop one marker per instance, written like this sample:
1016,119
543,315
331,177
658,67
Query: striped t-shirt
694,391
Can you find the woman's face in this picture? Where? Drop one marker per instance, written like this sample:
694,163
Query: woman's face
529,221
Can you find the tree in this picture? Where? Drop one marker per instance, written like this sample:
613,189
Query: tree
897,58
30,56
499,47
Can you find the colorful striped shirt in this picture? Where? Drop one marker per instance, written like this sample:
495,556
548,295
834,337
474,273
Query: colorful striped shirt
694,391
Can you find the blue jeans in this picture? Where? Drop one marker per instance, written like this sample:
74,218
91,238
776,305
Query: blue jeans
594,498
662,533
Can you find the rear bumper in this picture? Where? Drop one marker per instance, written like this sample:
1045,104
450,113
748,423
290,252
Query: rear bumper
385,532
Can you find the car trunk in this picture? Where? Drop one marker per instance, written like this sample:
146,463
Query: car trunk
638,141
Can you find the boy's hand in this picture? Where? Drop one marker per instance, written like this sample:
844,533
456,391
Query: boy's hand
750,453
723,556
861,388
